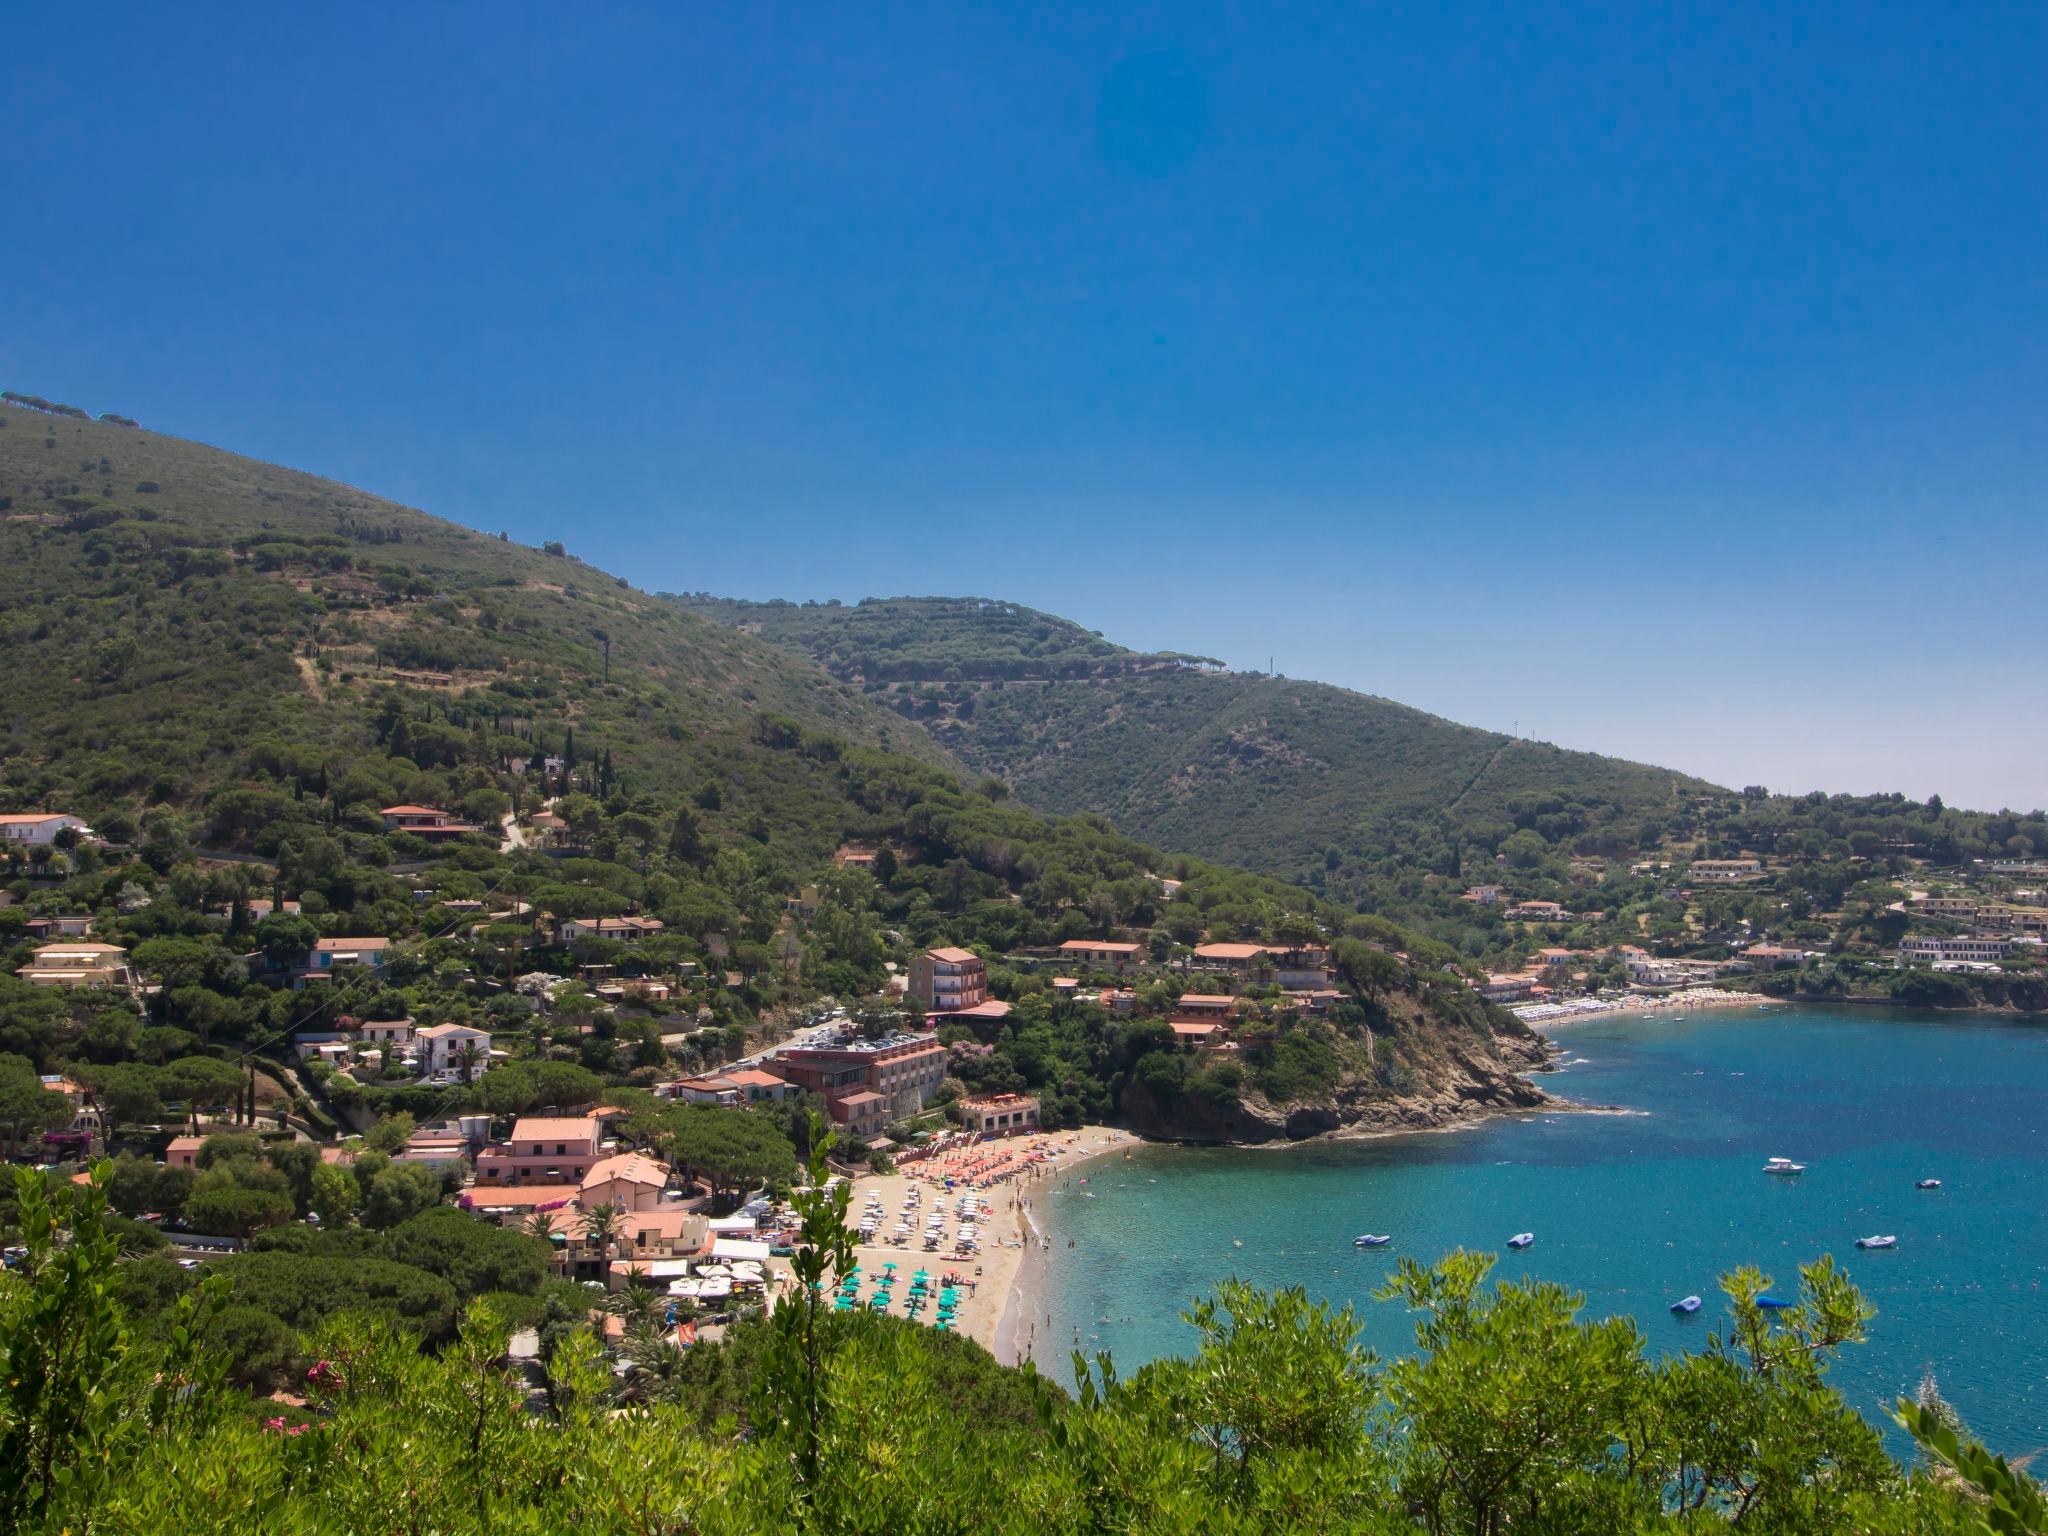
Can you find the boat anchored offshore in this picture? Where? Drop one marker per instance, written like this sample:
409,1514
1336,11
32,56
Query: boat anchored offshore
1690,1304
1372,1240
1928,1184
1784,1166
1521,1239
1774,1303
1877,1242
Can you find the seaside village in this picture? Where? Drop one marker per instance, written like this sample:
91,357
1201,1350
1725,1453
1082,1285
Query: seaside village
942,1180
1977,920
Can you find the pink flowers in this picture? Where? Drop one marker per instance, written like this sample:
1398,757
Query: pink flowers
279,1427
323,1374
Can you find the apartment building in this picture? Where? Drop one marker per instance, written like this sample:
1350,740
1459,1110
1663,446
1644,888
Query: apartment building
948,980
542,1150
902,1072
1969,951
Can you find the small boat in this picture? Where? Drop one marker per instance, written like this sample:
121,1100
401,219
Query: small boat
1784,1166
1372,1240
1521,1239
1928,1184
1877,1242
1689,1305
1774,1303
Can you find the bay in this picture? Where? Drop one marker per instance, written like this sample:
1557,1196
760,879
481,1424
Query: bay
1639,1209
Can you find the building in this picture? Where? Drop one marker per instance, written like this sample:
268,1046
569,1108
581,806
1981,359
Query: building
904,1070
1239,960
999,1114
1772,957
78,964
1506,989
630,1181
542,1150
2005,918
1300,965
1105,955
39,827
75,926
1973,951
441,1052
1727,871
948,980
1962,909
1204,1005
183,1152
339,954
743,1086
1483,895
864,1114
425,821
1538,912
392,1034
255,910
622,930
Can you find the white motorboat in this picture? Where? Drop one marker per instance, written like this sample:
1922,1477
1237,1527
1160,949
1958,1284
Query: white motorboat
1784,1167
1521,1239
1877,1242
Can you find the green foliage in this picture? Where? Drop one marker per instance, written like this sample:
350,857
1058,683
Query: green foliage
1513,1415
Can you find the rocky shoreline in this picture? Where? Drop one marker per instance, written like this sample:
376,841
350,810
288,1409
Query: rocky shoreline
1473,1090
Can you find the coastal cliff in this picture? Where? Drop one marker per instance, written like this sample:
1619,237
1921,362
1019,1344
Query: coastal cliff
1467,1079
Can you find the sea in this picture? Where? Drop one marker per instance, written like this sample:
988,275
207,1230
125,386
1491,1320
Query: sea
1638,1209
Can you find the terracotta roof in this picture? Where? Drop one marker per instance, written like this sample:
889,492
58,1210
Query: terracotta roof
564,1128
953,956
332,946
994,1008
1229,951
528,1195
863,1097
1092,946
442,1031
755,1078
1181,1027
412,810
1207,999
633,1167
32,817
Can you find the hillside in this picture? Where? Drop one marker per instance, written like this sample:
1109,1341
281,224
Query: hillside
175,615
1302,780
212,654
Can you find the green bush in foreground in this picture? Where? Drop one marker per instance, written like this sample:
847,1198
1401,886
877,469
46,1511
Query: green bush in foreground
1513,1416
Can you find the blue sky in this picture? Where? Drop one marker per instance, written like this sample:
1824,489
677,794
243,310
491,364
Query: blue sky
1670,381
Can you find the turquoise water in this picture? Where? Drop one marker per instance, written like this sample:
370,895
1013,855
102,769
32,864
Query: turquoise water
1639,1210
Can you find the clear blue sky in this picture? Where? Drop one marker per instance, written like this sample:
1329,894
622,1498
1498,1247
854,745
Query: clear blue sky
1672,382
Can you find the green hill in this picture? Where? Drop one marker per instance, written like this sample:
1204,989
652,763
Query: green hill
1310,782
176,617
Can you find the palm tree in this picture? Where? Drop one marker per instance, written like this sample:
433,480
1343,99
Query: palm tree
654,1364
467,1055
604,1222
540,1224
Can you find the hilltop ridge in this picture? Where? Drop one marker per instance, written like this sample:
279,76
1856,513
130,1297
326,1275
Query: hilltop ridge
1303,780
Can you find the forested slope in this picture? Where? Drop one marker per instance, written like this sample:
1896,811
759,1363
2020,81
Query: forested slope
1299,779
176,618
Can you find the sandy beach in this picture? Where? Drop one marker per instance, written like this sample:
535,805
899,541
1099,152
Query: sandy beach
997,1305
1694,1000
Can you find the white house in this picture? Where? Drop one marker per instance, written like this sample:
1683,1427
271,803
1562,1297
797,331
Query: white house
39,827
440,1049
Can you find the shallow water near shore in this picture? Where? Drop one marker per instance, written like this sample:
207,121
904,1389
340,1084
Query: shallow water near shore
1639,1210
